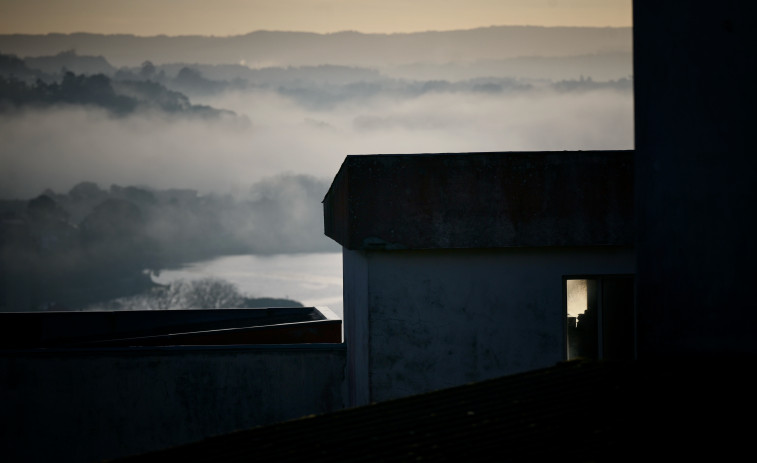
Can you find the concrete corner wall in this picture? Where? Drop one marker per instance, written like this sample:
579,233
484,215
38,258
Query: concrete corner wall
696,200
427,320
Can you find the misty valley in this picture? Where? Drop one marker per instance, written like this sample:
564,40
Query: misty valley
123,158
97,248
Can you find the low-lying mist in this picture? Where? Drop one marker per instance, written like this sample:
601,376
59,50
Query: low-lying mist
283,133
111,173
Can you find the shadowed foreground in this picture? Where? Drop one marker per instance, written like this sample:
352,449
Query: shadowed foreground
575,411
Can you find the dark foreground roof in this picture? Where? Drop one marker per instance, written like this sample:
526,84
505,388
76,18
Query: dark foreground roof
120,328
575,411
482,200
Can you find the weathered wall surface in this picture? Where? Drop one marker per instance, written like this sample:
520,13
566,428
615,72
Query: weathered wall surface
355,314
438,319
482,200
84,405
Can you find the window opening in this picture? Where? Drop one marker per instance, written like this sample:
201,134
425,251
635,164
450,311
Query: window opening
600,318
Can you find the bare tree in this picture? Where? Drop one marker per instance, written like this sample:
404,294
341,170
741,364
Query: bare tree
203,293
210,293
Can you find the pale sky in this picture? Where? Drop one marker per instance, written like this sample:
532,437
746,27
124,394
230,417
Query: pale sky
234,17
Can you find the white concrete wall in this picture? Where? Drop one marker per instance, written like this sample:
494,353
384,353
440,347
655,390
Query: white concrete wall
355,289
441,318
80,406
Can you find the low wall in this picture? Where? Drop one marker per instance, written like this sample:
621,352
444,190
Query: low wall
84,405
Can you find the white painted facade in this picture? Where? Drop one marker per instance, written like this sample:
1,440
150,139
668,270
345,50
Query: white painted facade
422,320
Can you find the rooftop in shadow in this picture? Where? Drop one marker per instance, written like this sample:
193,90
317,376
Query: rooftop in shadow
71,329
574,411
482,200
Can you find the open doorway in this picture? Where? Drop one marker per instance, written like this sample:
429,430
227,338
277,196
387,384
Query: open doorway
600,317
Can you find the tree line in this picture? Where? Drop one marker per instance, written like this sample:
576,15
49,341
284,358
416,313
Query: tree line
90,245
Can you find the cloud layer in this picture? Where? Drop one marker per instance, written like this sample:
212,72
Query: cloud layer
57,148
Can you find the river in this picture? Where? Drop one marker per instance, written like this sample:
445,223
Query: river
314,279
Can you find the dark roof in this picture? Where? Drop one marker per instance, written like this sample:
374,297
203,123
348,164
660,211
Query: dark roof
482,200
574,411
115,328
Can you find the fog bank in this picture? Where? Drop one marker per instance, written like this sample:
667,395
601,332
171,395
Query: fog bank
57,148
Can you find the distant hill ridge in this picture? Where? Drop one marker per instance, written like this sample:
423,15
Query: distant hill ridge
279,48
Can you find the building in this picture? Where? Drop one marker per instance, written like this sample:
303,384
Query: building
156,328
455,265
690,391
90,386
695,178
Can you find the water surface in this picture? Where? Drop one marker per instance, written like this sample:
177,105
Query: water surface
314,279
